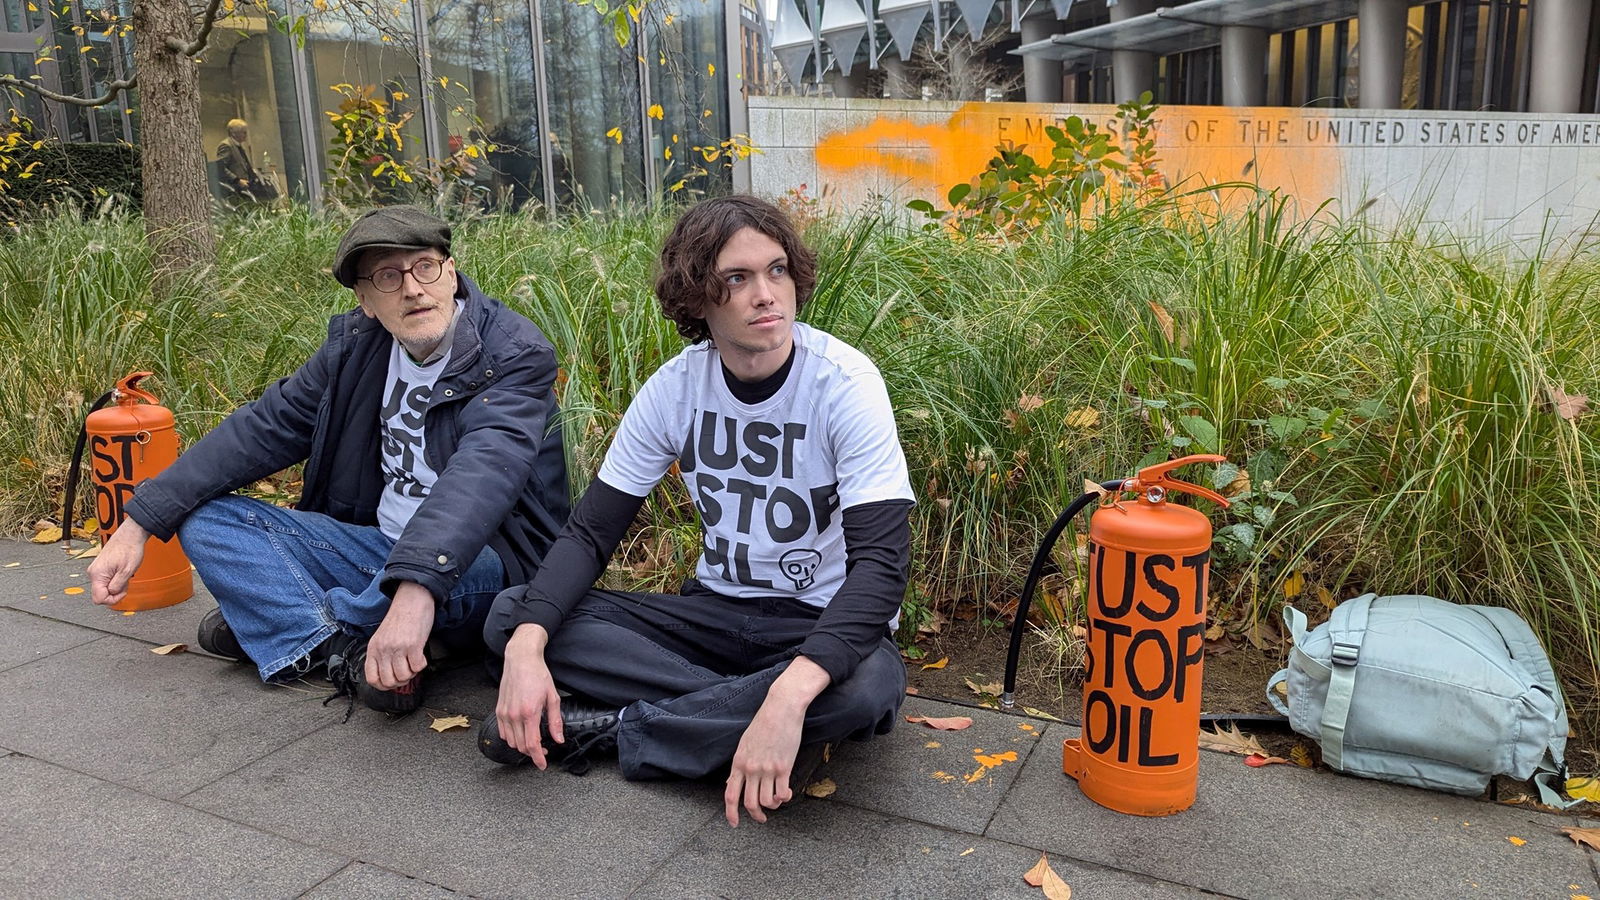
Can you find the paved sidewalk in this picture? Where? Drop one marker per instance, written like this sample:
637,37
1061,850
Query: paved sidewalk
127,774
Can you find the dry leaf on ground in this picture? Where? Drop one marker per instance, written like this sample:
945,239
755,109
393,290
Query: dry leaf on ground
912,692
12,565
1215,632
943,661
89,553
1256,761
1294,585
72,590
1039,714
46,535
1229,739
991,687
1045,878
1300,755
445,723
169,649
947,723
1035,876
1029,402
935,623
1516,840
1588,837
820,789
1567,406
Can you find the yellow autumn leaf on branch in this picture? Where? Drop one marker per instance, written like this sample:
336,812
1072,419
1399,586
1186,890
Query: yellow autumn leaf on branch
656,112
615,134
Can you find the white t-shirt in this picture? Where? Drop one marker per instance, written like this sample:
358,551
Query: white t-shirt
771,479
407,477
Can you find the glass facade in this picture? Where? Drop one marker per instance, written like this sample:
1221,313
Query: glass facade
485,103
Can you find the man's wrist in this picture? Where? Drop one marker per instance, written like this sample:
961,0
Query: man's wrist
529,636
799,684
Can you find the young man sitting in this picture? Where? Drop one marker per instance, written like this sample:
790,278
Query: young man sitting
786,441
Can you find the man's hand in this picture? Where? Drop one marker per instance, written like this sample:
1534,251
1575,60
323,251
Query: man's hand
765,758
528,694
395,653
118,560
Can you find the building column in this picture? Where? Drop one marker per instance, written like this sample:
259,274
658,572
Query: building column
850,85
1244,65
1560,35
1041,77
896,79
1383,52
1132,71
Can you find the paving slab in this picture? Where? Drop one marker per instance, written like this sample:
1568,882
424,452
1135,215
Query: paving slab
28,638
394,793
40,586
162,724
818,848
1282,831
71,835
360,881
934,776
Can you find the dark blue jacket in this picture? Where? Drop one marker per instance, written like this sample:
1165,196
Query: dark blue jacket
489,434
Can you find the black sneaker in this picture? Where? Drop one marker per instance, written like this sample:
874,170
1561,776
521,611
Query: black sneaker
492,745
347,669
590,731
806,761
216,637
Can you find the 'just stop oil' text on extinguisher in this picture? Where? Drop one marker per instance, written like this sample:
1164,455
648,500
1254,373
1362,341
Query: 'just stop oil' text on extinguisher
1149,561
129,441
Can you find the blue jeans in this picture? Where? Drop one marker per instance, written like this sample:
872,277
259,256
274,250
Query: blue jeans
286,580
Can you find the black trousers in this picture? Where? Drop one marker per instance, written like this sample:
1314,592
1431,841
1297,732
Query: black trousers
691,670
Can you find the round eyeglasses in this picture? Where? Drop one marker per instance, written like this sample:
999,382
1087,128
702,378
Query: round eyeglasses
388,279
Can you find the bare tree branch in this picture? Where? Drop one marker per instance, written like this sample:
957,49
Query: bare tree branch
196,46
112,90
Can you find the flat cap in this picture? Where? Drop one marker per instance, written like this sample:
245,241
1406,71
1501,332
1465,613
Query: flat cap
388,228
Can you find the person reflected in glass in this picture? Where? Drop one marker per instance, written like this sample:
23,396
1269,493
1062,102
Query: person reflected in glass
242,182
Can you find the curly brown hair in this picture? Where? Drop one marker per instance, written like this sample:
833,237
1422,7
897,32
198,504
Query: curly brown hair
686,277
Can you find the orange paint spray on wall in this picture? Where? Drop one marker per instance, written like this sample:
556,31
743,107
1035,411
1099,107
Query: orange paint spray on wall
1282,149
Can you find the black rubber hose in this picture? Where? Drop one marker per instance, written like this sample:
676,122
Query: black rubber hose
1009,686
71,498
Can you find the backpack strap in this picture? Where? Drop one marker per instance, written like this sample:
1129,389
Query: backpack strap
1347,628
1550,775
1295,621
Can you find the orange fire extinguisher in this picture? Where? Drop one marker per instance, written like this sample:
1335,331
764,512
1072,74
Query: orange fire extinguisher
130,441
1149,562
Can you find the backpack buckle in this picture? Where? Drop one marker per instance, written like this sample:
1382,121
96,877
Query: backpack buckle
1344,654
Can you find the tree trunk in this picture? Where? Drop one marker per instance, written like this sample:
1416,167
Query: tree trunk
177,201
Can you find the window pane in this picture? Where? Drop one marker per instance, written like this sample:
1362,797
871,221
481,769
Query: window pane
363,61
596,145
687,81
247,76
482,64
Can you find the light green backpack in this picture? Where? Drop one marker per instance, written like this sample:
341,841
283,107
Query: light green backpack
1429,693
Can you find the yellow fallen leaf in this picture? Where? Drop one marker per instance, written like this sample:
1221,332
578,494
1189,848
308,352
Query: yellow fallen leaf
992,687
1164,319
1325,597
46,535
1083,417
1215,632
169,649
943,661
445,723
1024,726
946,723
89,553
1300,756
1584,788
73,590
12,565
932,745
821,789
1294,585
966,851
125,612
1039,714
1229,739
1516,840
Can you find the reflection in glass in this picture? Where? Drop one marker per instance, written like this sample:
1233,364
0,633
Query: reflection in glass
595,144
247,76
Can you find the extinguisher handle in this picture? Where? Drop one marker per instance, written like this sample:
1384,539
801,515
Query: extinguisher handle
1158,476
128,387
1173,484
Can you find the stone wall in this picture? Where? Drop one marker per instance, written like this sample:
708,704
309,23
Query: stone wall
1494,176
